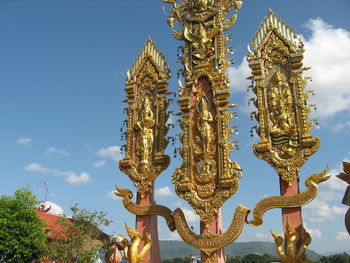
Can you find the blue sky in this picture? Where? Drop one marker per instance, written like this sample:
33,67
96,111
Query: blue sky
62,71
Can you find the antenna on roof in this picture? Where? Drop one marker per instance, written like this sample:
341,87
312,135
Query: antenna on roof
46,183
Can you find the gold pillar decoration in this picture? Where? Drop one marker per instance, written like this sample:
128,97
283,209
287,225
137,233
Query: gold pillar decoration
207,176
131,249
146,88
289,252
275,58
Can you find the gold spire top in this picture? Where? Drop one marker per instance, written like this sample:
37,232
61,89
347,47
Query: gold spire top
151,52
273,23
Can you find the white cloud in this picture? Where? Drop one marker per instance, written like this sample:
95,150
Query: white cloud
112,195
37,168
71,176
342,236
320,211
99,164
83,178
53,150
23,140
163,192
55,208
334,183
238,76
315,233
112,152
328,53
190,216
339,126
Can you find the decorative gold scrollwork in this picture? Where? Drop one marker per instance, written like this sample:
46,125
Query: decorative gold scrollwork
300,199
176,220
141,210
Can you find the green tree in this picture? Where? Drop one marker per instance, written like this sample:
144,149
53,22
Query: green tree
233,260
21,230
338,258
80,238
254,258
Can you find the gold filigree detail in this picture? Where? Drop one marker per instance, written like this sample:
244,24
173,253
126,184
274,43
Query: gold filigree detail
142,210
298,200
288,251
146,88
131,249
207,177
176,220
211,243
284,130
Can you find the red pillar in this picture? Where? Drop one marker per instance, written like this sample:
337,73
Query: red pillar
293,214
215,227
148,225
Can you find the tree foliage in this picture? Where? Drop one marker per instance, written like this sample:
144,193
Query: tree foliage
338,258
22,238
178,260
80,238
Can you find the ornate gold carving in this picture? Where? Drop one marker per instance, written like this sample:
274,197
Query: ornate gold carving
146,88
131,249
300,199
290,253
140,210
207,177
177,220
284,129
210,244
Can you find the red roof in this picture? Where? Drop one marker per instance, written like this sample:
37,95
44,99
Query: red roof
52,225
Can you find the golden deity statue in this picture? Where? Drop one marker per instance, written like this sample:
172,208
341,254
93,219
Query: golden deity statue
145,126
204,126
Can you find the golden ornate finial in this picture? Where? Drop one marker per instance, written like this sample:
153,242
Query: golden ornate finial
207,177
146,88
131,249
291,253
276,64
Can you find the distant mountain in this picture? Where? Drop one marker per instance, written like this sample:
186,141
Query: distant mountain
177,249
328,253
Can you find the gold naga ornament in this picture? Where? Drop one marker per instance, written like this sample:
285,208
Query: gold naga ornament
277,69
207,176
131,249
146,88
292,253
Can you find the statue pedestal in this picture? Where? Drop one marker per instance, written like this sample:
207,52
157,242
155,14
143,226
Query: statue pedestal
148,225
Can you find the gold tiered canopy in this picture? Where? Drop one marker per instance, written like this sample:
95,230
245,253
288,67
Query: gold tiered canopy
277,69
146,88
